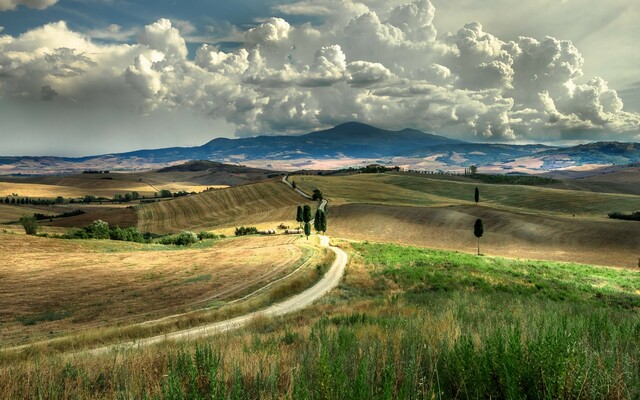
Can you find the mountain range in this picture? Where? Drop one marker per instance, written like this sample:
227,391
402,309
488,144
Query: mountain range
352,140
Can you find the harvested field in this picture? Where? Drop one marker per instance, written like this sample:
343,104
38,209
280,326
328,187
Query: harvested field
266,202
9,213
55,287
116,214
509,234
420,190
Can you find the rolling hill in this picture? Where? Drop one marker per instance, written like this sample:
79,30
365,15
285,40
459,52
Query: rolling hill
263,202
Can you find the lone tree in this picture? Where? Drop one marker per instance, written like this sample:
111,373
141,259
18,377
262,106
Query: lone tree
478,230
317,195
299,216
477,195
473,169
307,229
29,224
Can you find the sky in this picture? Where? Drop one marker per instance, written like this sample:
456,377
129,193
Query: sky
83,77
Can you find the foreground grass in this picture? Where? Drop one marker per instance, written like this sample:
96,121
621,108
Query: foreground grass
406,323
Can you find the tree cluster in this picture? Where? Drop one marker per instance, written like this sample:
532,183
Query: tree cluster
28,200
101,230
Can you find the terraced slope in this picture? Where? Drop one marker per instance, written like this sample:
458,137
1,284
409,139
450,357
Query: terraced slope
249,204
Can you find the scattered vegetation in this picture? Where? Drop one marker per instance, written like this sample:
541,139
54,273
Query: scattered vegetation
634,216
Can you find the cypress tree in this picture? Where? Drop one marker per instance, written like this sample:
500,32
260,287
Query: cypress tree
477,195
323,221
478,230
307,229
306,213
316,221
299,216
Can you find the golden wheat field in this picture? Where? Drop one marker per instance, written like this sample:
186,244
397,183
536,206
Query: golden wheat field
56,287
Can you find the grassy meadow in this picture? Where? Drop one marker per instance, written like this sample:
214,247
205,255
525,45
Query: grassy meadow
406,323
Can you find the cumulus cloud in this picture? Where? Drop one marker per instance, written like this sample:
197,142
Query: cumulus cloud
6,5
389,68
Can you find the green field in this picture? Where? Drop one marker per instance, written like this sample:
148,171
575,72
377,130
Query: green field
421,190
406,323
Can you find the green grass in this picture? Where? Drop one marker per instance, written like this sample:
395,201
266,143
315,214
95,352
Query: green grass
418,190
418,270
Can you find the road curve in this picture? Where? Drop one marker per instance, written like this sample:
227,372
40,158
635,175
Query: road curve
330,280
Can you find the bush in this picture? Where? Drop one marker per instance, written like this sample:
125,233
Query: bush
75,234
29,224
635,216
185,238
246,230
207,235
98,230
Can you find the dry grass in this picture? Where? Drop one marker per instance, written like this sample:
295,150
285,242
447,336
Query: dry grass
56,287
264,202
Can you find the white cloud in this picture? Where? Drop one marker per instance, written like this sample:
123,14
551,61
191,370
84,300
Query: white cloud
6,5
112,32
388,68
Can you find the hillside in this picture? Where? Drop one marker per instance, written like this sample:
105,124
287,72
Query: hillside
271,201
519,221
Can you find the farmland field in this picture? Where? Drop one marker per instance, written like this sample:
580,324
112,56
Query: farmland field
56,287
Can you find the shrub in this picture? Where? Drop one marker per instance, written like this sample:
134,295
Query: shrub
246,230
207,235
75,234
635,216
98,230
185,238
29,224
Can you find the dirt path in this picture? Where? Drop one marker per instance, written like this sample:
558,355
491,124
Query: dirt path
330,280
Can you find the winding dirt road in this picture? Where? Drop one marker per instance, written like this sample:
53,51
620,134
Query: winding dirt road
330,280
